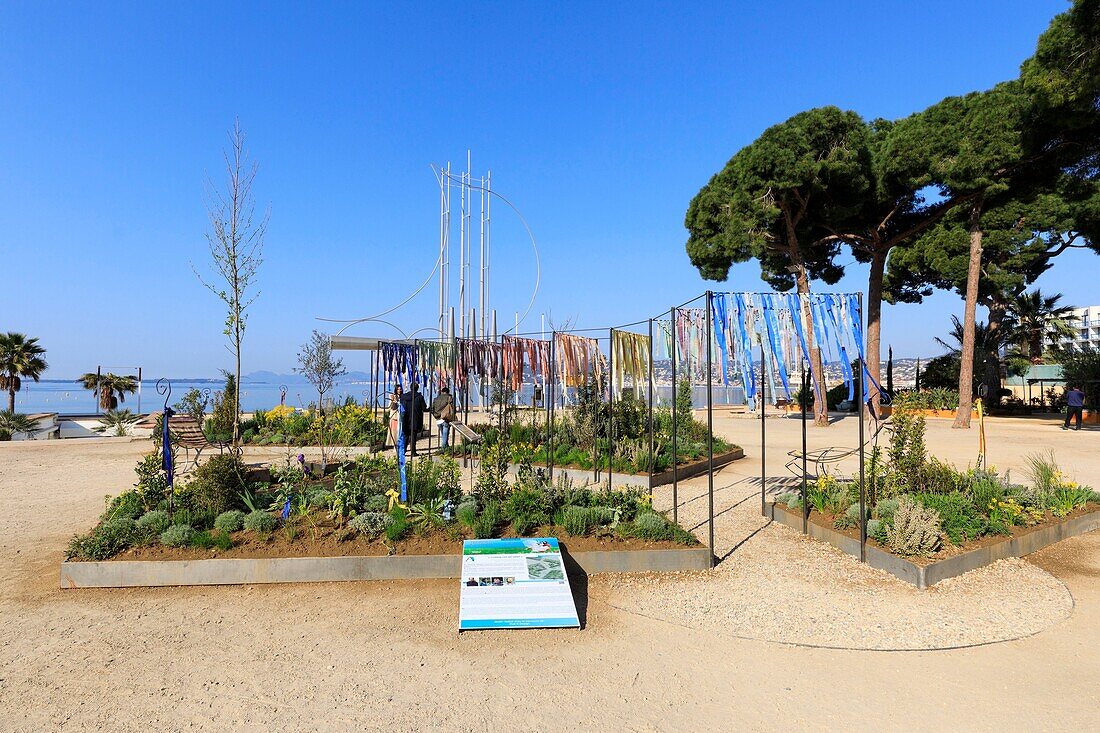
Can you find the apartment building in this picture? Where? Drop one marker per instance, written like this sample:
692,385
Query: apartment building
1086,324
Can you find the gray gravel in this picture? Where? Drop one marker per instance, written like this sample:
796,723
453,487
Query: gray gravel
777,585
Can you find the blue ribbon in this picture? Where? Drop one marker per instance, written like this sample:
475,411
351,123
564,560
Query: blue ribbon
748,373
771,321
401,449
719,321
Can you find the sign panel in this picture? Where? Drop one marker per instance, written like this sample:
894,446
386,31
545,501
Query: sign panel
513,584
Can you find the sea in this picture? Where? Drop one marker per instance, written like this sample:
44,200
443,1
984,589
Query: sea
69,398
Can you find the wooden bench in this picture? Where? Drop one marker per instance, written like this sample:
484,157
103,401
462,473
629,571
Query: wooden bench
187,434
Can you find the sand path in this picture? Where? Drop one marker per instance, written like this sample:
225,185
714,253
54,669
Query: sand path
385,656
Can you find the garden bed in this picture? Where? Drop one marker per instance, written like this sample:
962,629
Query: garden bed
953,560
618,478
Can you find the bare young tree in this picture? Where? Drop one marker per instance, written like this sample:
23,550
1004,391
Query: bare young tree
316,363
236,240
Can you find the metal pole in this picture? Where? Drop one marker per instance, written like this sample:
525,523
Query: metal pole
862,451
805,397
710,431
649,463
610,404
762,401
550,410
675,456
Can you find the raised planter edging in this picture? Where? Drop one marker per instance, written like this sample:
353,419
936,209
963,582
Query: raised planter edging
619,480
924,576
238,571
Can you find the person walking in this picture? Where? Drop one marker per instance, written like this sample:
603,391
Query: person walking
443,410
412,422
1075,406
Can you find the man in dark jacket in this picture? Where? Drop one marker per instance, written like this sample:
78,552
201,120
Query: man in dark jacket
1075,406
412,422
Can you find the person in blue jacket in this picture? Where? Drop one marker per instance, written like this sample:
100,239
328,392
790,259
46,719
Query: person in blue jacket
1075,406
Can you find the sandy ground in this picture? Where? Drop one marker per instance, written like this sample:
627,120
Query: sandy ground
386,656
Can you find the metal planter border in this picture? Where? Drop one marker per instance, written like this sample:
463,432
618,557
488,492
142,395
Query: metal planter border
924,576
239,571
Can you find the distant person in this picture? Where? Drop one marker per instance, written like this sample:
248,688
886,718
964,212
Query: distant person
1075,406
412,422
443,410
395,414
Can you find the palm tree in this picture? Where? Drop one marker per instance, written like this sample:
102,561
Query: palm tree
1037,318
989,343
19,357
12,422
118,421
111,389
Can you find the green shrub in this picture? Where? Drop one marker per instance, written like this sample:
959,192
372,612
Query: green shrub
105,541
370,524
785,498
320,498
397,525
574,520
940,478
209,540
376,503
128,504
229,521
915,530
178,535
651,526
151,524
487,521
885,509
467,513
876,530
197,518
217,482
849,519
1065,499
601,515
260,522
527,508
152,485
795,502
959,518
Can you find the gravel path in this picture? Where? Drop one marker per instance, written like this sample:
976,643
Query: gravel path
774,584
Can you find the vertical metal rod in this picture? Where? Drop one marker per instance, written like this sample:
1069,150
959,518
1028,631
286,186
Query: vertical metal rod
805,397
762,401
862,450
610,404
503,402
443,183
649,462
548,397
481,263
710,429
675,455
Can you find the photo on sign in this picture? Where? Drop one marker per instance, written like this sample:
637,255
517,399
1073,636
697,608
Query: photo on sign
545,568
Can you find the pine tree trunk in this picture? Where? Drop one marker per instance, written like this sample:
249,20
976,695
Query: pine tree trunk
874,322
11,399
966,367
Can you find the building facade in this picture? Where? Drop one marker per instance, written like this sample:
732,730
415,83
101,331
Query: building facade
1086,325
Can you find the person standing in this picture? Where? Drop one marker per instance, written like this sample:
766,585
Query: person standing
443,409
412,422
395,414
1075,406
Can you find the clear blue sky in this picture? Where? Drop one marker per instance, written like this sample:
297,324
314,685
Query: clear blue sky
600,121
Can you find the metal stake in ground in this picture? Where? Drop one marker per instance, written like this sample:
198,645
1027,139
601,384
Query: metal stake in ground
610,404
804,397
710,430
675,457
761,394
550,409
649,463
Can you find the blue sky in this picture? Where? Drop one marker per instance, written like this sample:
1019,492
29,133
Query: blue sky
599,121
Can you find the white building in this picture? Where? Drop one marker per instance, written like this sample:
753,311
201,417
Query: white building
1086,324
